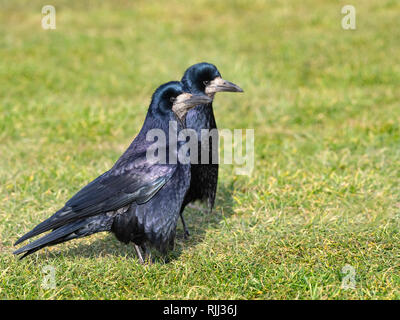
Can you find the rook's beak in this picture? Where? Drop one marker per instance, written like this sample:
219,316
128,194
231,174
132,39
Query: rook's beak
221,85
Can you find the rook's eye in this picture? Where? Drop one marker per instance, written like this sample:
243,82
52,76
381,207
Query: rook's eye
206,83
172,99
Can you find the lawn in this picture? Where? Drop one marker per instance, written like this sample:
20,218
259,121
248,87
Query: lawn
324,106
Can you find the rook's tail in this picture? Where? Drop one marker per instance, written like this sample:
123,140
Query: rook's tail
73,230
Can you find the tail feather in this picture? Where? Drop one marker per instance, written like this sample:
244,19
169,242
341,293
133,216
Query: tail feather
51,223
73,230
54,235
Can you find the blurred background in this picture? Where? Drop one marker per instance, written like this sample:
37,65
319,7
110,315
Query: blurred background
324,104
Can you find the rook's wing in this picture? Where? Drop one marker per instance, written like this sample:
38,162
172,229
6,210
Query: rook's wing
138,181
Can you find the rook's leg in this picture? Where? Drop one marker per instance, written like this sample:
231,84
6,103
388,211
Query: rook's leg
185,229
139,254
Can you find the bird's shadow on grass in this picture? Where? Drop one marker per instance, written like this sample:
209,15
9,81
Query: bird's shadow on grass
198,222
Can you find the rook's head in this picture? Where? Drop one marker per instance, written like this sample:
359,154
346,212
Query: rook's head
205,78
173,99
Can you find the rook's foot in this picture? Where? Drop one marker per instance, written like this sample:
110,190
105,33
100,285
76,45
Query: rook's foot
186,235
147,254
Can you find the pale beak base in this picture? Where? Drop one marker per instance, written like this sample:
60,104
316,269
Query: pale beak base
186,101
221,85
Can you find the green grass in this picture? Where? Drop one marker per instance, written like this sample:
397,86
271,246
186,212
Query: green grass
324,103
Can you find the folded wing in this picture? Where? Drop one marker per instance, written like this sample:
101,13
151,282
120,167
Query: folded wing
136,181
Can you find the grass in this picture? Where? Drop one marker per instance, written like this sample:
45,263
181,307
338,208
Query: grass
324,103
